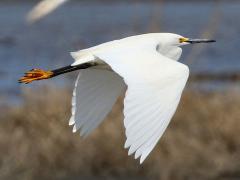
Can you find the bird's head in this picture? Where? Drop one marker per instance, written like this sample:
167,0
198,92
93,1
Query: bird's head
178,40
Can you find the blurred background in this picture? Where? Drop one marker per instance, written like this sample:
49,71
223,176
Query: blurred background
202,140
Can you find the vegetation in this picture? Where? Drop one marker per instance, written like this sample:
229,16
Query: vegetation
202,141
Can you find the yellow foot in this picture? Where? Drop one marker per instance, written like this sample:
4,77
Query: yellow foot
35,74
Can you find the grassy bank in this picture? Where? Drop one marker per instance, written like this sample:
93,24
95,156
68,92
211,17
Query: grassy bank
202,141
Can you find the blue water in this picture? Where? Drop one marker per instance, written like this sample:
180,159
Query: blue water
79,25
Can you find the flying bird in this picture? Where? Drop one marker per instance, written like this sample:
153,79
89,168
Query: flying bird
147,65
43,8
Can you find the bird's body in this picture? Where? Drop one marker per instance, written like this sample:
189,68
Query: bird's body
140,42
145,64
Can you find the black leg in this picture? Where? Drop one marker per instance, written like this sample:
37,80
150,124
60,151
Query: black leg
70,68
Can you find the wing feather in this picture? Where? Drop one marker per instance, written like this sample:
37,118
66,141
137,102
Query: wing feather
155,85
94,94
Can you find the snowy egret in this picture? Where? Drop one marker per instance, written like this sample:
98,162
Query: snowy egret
147,65
43,8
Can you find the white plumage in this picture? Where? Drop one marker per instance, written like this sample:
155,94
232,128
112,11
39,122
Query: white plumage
155,83
148,65
94,95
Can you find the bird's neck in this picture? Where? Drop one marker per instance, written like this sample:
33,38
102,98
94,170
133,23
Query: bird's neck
172,52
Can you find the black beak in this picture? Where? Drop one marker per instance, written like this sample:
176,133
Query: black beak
194,41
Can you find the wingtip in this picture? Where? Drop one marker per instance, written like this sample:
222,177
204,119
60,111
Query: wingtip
127,144
142,159
131,151
74,128
137,155
71,121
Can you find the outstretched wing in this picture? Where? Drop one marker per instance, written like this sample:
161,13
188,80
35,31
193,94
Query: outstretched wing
43,8
155,85
95,93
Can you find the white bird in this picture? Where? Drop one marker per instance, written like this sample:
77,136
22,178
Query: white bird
43,8
148,65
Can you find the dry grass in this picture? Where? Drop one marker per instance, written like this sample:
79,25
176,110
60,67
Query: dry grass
202,141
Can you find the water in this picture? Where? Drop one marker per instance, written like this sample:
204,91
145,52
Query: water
79,25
